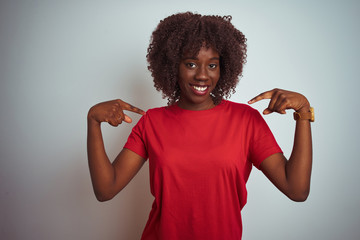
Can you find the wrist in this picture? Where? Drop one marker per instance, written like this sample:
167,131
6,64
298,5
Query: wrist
304,109
305,113
92,121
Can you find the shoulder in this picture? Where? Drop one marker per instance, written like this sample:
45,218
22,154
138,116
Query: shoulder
157,110
242,112
239,107
157,114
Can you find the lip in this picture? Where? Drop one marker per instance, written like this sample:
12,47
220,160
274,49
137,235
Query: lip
197,89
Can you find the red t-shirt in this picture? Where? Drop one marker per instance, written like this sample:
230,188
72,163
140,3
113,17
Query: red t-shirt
199,164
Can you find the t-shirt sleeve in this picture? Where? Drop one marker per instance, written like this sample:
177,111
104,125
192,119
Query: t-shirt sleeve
136,139
263,143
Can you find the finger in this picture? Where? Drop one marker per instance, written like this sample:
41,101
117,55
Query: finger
136,110
272,103
267,111
279,105
282,105
123,117
261,96
127,119
131,108
114,122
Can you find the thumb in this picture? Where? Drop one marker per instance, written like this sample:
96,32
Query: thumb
127,119
267,111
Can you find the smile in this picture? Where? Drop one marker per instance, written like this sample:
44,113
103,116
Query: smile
200,89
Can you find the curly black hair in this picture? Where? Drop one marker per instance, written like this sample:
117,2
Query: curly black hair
186,33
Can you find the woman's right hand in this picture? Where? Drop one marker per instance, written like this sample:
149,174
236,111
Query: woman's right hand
112,112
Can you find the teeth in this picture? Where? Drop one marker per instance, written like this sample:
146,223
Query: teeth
201,89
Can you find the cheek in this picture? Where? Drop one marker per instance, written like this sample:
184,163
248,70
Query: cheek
181,73
216,76
185,76
181,82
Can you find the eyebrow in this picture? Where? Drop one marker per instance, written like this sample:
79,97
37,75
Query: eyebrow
195,58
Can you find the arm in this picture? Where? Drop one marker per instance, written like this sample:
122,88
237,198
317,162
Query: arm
292,176
109,178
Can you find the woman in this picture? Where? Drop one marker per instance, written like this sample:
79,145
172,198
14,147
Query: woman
200,147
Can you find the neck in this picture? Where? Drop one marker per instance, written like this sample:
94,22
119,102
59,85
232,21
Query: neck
194,106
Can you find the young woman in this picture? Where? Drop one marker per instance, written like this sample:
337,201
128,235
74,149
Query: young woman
200,147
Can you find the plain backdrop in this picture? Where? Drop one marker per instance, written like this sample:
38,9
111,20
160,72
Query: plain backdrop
58,58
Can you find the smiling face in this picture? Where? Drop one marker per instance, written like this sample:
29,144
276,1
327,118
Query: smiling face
198,76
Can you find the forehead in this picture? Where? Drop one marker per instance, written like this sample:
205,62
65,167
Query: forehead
203,52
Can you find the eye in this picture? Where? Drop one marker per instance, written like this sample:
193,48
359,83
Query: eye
190,65
212,65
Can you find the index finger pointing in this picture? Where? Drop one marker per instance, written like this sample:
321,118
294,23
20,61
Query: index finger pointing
131,108
261,96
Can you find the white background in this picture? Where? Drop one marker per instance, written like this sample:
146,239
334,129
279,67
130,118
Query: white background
58,58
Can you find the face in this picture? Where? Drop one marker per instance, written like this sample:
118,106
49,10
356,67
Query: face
198,76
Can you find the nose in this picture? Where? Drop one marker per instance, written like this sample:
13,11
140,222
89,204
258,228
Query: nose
202,74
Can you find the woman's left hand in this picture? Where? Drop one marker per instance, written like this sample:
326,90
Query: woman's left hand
280,100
